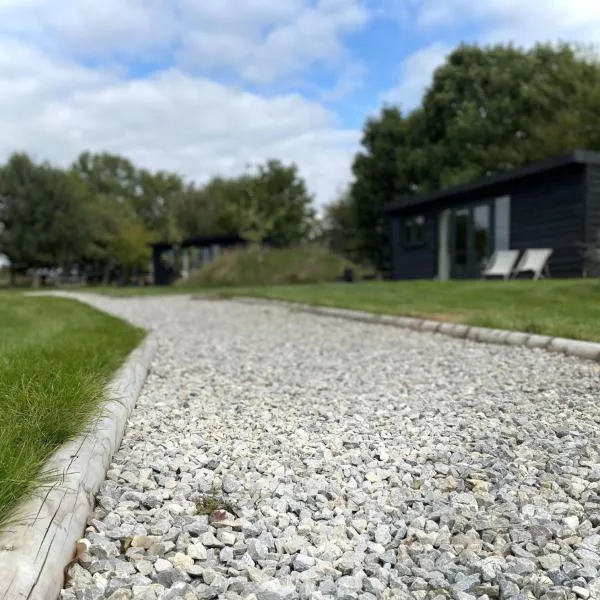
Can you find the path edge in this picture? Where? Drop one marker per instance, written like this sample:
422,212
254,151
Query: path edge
505,337
35,552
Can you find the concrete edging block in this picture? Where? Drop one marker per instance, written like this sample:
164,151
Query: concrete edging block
538,341
413,323
391,320
401,322
487,335
516,338
35,551
454,329
430,326
589,350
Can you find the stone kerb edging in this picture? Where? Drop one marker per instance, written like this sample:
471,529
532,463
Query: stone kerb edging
579,349
35,551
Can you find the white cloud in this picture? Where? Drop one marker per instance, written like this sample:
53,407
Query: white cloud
259,40
271,39
415,75
170,120
512,20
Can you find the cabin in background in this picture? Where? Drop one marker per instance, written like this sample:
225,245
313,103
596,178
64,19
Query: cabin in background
452,233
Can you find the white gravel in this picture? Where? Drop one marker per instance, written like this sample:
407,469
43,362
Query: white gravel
356,462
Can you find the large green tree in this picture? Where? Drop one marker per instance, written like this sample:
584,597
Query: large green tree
117,238
43,214
271,202
487,107
207,209
375,172
152,196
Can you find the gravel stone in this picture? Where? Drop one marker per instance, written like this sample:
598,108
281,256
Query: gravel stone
121,594
227,538
258,550
182,560
209,540
383,535
162,565
549,562
374,586
273,590
197,552
348,587
230,484
349,461
303,562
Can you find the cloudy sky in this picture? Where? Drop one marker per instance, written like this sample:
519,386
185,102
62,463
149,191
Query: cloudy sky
203,87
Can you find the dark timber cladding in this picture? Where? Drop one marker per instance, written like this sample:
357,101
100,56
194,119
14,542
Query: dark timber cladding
452,233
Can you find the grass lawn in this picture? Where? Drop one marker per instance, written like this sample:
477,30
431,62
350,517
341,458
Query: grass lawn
56,357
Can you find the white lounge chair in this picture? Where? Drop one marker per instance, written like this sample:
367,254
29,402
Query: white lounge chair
534,261
501,264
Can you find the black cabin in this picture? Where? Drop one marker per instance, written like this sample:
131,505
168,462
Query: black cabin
451,233
197,251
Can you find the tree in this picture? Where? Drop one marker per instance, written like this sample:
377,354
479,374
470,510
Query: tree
198,210
273,202
339,228
488,108
131,247
152,196
18,236
375,170
118,237
108,174
43,212
155,203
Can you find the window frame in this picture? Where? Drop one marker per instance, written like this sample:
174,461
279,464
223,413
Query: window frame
417,224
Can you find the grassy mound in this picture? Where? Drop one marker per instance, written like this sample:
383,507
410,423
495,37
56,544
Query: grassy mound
56,357
250,266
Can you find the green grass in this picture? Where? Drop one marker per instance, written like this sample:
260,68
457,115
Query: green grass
209,503
56,357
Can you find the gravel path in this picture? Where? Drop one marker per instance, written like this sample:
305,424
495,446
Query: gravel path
355,462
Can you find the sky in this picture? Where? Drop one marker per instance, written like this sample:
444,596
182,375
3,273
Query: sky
207,87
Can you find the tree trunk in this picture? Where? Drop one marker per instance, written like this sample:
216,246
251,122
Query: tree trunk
13,277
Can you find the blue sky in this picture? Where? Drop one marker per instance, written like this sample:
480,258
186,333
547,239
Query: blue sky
205,87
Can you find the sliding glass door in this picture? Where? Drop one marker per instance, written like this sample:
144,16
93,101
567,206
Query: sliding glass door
471,240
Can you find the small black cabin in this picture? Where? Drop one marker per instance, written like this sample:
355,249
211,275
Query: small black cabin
197,251
452,233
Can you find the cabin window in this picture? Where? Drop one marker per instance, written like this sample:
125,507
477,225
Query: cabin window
482,225
502,223
414,231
